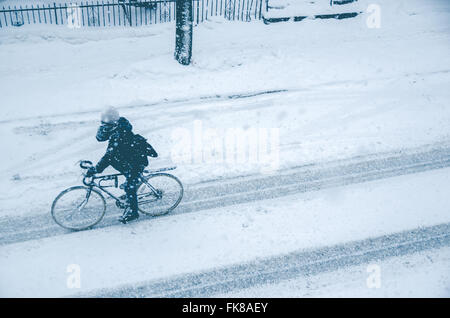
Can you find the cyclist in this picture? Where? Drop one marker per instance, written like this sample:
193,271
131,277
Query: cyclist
125,153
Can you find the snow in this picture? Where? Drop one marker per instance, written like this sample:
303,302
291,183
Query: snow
192,242
293,8
334,89
420,275
357,92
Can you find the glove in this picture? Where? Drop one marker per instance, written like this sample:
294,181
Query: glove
91,171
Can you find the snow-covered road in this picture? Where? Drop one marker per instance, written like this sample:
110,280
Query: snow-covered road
214,194
226,281
364,124
339,211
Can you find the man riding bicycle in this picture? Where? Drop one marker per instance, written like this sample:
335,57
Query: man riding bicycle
127,152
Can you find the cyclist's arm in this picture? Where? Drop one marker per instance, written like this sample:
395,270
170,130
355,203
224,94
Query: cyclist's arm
105,161
151,151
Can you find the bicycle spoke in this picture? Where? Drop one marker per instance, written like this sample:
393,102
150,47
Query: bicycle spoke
166,190
70,213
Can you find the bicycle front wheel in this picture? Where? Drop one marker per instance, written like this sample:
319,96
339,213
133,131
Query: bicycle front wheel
162,196
78,208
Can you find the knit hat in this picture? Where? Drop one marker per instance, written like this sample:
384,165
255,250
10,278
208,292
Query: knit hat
110,115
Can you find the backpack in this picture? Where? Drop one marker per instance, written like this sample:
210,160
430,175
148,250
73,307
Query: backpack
142,150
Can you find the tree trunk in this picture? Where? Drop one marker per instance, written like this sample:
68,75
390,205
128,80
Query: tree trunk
183,41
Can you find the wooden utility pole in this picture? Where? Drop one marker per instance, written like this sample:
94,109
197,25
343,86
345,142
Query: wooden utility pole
183,34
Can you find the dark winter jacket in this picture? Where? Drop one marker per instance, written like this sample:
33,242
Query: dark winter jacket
120,153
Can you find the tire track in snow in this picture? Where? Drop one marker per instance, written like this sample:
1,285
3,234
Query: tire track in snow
275,269
180,102
228,192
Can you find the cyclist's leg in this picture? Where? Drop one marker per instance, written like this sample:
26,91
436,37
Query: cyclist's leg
131,190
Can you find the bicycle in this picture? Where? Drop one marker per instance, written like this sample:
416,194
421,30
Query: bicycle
82,207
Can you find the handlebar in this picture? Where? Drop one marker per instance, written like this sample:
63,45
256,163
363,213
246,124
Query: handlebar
85,164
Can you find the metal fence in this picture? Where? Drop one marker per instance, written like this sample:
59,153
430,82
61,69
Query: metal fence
125,13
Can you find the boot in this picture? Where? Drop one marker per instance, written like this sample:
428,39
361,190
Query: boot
128,216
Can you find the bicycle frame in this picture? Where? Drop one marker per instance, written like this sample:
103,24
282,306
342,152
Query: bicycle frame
92,184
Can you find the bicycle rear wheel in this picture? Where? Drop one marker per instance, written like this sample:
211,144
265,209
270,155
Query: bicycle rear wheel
169,192
78,208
